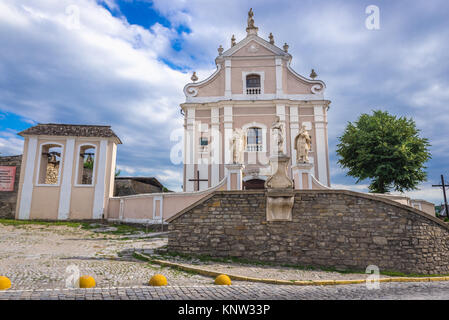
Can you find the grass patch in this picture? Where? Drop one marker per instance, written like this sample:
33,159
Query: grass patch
122,229
12,222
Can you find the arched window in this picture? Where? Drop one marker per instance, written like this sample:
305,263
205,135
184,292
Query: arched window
253,84
254,140
86,165
50,164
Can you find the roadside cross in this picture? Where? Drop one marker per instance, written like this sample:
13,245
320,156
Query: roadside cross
444,186
197,180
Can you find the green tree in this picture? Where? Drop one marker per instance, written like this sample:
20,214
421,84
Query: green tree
385,149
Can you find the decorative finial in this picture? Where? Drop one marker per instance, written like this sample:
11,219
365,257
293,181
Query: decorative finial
194,77
271,38
313,74
220,50
233,41
285,47
251,29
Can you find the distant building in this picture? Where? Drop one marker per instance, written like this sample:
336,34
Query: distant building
126,186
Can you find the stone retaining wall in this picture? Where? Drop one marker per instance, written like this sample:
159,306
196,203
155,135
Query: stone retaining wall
8,199
330,228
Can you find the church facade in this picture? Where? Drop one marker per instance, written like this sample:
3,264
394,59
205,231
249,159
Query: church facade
252,85
253,124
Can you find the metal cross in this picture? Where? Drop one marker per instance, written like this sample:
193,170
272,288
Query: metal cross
197,180
444,186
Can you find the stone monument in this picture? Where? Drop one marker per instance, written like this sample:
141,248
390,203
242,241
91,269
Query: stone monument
251,29
280,197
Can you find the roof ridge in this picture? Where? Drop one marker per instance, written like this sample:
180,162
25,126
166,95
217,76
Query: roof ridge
75,125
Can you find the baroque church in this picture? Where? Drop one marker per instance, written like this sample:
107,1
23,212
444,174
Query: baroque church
252,85
253,124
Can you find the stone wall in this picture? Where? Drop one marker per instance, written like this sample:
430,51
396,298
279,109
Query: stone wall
8,199
330,228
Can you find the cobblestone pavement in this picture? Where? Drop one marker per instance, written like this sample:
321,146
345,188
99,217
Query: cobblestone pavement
387,291
37,257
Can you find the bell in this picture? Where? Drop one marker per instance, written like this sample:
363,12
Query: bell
52,158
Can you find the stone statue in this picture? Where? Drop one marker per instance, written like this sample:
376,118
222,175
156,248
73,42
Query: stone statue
302,145
250,18
277,129
237,145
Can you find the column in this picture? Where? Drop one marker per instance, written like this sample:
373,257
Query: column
279,90
66,184
228,81
215,146
234,176
302,174
321,142
100,182
227,133
190,150
27,187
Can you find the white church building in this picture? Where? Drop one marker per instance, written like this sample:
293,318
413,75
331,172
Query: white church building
253,83
67,171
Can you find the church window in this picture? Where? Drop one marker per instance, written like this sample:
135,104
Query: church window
86,164
254,139
204,142
253,84
50,164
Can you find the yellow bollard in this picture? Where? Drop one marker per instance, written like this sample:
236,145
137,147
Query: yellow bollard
5,283
87,282
158,280
223,279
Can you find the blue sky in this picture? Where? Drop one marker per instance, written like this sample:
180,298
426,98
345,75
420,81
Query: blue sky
124,63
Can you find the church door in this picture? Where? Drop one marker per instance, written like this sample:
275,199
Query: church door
254,184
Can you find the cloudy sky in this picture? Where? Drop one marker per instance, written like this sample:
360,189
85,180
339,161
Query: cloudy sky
124,63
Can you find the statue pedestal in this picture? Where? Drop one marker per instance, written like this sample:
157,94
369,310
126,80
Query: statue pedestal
234,174
280,204
280,197
279,178
302,175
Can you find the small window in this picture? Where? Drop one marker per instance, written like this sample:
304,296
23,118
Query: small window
86,164
50,163
253,84
204,143
254,139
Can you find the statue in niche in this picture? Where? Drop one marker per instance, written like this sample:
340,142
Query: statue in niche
238,146
302,145
277,129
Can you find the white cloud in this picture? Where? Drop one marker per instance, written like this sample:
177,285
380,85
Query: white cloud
354,187
10,143
104,72
425,192
110,72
